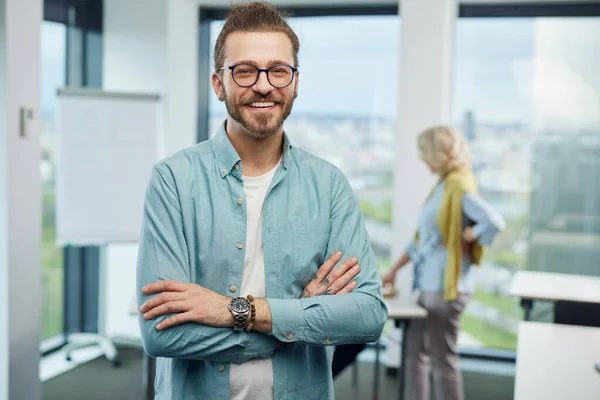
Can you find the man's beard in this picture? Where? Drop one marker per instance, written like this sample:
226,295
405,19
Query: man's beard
259,126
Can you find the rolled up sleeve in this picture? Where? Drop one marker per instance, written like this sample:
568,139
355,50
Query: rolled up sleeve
488,222
413,252
163,255
356,317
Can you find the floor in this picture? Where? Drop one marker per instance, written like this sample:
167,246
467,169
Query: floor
99,380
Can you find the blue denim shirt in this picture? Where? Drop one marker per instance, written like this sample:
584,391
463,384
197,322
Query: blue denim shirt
430,258
194,230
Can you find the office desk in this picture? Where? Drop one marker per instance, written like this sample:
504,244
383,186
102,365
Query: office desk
401,309
556,362
534,285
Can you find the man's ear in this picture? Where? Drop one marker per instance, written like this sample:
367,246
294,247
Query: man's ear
218,87
296,83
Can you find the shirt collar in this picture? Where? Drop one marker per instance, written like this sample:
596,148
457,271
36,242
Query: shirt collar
228,158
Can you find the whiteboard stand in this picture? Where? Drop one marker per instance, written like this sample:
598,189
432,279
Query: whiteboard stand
80,340
108,144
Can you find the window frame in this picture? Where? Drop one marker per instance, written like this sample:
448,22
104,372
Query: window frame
529,10
466,10
523,10
82,18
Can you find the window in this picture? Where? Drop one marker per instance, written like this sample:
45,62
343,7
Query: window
53,43
345,112
527,96
71,45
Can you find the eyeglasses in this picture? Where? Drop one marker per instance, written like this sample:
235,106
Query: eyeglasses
246,75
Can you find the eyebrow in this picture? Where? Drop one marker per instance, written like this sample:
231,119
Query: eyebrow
270,63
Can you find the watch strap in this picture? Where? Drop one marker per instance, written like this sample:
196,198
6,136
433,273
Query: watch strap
239,321
252,313
239,318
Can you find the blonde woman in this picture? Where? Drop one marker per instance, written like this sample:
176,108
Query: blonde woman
453,227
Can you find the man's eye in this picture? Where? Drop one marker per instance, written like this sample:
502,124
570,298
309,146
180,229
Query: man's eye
279,71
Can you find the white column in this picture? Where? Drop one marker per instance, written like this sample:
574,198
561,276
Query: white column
424,96
152,46
149,46
20,200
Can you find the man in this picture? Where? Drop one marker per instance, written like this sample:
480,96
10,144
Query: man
246,213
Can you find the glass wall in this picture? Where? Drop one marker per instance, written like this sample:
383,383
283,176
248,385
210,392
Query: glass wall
527,96
345,111
53,43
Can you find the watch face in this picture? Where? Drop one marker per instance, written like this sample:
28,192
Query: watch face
240,305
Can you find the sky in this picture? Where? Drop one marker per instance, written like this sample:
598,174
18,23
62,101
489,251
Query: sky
53,44
349,66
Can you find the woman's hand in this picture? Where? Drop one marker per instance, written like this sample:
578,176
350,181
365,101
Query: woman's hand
468,235
389,279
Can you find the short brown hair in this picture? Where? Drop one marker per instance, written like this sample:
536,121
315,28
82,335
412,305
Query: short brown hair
254,17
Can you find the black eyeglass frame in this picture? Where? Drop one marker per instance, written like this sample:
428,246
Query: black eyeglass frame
260,70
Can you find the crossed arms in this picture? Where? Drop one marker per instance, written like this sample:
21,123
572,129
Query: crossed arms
201,326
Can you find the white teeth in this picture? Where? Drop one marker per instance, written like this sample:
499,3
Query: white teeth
271,104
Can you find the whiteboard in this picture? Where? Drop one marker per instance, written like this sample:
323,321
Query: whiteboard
107,145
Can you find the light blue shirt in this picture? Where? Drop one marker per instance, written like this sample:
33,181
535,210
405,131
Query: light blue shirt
429,258
194,230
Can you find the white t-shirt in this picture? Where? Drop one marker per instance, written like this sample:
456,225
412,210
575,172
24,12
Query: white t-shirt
253,380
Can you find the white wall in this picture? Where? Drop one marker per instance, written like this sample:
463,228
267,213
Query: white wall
135,45
182,74
424,98
121,260
149,46
20,201
152,46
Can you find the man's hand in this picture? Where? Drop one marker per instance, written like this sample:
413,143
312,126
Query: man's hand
327,282
190,303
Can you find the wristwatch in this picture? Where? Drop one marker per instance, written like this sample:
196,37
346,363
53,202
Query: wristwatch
240,308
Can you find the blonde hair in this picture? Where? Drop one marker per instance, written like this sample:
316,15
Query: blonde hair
444,149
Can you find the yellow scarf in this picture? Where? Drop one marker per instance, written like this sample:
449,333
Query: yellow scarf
450,220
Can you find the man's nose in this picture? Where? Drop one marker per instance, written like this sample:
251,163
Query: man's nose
262,85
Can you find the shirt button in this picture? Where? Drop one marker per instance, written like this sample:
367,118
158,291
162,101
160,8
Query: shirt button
224,171
290,336
221,368
240,245
236,167
233,289
240,201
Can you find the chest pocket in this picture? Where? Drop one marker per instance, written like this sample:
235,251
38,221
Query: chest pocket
309,239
